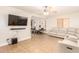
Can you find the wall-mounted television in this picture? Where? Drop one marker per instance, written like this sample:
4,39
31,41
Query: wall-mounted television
14,20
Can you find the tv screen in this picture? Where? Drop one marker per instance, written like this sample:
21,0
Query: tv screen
15,20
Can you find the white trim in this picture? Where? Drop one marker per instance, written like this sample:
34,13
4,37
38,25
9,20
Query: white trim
4,44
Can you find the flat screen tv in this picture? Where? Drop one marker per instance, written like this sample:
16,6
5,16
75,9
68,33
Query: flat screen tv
14,20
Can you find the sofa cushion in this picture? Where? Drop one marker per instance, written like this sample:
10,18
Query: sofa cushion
71,37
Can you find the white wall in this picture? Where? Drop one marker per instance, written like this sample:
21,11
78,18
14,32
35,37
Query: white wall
5,32
73,18
50,23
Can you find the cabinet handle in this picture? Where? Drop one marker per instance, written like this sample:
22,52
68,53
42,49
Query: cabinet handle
69,48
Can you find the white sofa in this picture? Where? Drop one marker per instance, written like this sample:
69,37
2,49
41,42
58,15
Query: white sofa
60,32
67,46
70,44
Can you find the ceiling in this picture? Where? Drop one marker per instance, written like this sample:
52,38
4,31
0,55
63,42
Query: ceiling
56,10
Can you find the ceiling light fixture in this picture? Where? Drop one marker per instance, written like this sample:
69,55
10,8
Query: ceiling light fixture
49,9
46,10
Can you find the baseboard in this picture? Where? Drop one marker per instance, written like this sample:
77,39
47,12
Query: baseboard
54,36
24,39
4,44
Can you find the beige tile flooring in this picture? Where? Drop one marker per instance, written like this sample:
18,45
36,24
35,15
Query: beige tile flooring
40,43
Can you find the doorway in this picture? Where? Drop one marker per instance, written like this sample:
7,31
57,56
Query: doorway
38,26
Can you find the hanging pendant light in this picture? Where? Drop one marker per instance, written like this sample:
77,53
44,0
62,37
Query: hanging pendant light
46,10
49,9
